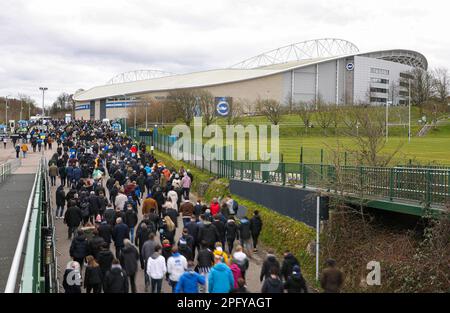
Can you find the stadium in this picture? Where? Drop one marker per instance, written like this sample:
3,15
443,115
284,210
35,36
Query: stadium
332,70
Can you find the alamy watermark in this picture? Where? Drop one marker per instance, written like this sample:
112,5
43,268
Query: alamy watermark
373,278
257,138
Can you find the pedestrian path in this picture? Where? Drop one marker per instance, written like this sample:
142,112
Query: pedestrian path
63,247
14,194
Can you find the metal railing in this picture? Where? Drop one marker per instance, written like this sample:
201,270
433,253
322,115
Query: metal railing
5,170
426,185
36,242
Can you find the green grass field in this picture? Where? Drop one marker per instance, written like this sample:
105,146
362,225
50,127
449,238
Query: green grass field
433,148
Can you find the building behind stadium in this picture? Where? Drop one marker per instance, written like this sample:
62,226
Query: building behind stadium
332,70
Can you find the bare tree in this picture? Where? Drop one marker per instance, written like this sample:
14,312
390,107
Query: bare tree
305,111
324,116
185,101
205,100
271,109
236,110
369,137
421,86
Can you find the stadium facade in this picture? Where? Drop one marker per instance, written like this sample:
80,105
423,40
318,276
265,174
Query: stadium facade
331,70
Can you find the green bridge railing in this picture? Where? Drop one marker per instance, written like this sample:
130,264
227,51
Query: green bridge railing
425,186
36,243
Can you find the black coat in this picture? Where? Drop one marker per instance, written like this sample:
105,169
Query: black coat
173,214
220,229
231,230
105,258
209,234
288,264
256,225
129,258
70,288
244,230
131,218
110,216
296,285
120,232
94,204
272,285
73,216
60,196
95,245
269,262
205,258
93,276
116,281
79,248
105,231
193,230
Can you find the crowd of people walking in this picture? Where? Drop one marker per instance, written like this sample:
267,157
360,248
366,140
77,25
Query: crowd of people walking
123,207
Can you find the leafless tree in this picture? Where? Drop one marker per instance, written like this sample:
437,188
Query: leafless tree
305,110
185,101
367,128
441,84
205,100
324,114
271,109
421,86
236,110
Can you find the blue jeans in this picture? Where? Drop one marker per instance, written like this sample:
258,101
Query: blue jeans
59,210
132,234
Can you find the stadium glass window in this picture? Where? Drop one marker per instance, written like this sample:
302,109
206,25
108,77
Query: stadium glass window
403,93
378,100
379,90
379,80
379,71
406,76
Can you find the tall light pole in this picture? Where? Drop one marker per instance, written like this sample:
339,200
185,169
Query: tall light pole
21,108
387,120
43,95
146,115
409,110
6,112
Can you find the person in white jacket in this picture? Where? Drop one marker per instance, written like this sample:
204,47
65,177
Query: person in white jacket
172,194
156,269
176,266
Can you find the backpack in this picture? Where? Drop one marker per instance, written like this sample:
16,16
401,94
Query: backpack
85,212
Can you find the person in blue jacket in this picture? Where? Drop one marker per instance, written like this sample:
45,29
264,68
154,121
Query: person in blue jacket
220,279
190,280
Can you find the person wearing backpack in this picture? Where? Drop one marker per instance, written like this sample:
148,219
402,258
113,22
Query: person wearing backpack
116,280
93,276
176,266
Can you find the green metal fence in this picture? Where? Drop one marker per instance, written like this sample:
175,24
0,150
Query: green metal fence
426,185
39,272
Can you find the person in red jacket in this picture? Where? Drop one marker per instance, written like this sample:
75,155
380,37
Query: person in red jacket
214,206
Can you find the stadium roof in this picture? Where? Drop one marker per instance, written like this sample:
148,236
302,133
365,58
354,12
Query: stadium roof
232,75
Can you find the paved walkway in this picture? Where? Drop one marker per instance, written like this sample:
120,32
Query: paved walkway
63,246
14,194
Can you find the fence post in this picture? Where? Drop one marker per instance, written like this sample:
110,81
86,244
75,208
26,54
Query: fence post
283,171
253,171
304,175
301,154
428,190
242,170
345,158
321,164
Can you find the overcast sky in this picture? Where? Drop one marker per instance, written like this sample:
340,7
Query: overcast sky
67,45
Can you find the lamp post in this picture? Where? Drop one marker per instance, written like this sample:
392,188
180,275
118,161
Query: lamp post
6,112
146,115
43,95
409,110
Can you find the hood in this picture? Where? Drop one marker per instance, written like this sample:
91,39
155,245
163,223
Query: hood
231,221
289,257
221,267
273,282
80,238
271,258
155,255
244,221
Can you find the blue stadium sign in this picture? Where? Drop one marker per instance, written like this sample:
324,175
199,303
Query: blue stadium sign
350,66
223,106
